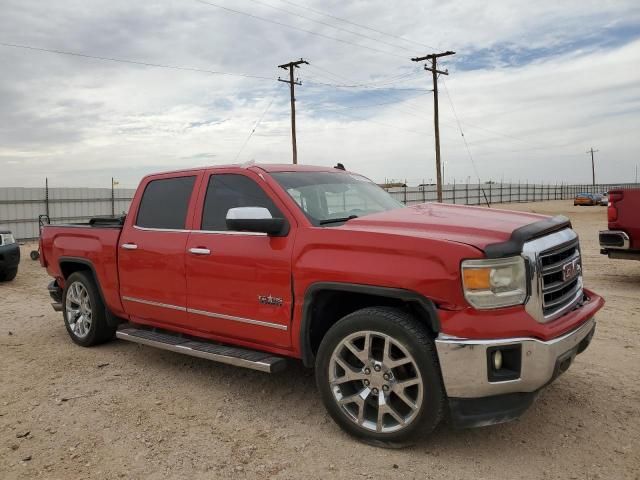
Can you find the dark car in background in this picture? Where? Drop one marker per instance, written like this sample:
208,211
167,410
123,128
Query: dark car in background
9,256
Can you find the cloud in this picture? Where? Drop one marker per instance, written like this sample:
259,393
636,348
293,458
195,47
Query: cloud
534,86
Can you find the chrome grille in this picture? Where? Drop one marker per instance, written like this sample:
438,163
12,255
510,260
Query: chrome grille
557,292
549,257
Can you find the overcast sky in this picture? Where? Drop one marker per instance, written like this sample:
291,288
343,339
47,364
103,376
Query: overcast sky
534,85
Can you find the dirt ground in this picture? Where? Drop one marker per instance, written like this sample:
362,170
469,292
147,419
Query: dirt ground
128,411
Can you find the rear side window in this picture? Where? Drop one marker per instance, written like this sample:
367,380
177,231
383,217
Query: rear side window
165,203
227,191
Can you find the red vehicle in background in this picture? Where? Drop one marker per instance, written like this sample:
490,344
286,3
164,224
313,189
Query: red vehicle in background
622,239
406,313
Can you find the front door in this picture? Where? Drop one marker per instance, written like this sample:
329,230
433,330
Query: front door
239,284
151,253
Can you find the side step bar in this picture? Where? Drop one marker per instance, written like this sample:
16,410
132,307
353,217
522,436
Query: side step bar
240,357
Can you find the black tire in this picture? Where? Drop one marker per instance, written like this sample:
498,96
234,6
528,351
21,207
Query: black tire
8,275
99,331
35,255
415,338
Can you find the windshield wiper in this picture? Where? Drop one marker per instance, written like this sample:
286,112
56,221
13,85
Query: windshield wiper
338,220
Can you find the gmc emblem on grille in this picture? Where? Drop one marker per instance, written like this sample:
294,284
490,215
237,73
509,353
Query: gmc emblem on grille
571,270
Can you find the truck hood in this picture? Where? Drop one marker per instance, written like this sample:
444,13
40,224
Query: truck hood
473,226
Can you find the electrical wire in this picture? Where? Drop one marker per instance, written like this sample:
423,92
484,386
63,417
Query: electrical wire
325,14
394,45
275,22
257,123
464,139
133,62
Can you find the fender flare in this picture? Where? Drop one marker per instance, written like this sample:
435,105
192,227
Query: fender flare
112,320
308,356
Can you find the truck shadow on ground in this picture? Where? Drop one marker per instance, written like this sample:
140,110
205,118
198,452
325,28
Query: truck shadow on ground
290,399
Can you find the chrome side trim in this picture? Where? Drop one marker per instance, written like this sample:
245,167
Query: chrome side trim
208,314
211,232
237,319
463,362
154,304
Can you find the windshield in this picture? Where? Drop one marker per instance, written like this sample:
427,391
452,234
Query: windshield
329,198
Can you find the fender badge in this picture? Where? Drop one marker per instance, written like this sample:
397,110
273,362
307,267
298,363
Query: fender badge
270,300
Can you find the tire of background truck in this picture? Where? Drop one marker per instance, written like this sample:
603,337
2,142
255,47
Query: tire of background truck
378,375
8,275
84,312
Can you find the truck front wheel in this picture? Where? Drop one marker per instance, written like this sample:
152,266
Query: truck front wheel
84,311
379,378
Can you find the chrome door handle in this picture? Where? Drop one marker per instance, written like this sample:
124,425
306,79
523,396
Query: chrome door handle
200,251
129,246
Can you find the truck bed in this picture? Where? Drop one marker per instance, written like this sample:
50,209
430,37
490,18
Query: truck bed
94,245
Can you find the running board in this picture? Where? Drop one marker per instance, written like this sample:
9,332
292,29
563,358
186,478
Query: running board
240,357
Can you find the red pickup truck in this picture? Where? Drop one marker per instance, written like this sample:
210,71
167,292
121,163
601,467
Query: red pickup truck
622,239
406,313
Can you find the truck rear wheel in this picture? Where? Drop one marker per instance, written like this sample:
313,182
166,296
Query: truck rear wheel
379,378
84,311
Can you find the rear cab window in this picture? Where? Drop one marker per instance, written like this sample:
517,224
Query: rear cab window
165,203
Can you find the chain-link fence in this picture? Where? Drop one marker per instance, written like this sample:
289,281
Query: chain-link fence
492,193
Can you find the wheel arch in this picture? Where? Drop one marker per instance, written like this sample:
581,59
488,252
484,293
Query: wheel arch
327,302
70,265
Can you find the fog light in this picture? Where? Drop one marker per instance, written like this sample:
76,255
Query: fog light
497,360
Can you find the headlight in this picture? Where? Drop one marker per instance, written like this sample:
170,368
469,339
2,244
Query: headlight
495,283
6,239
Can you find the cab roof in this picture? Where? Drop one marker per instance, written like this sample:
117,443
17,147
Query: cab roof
265,167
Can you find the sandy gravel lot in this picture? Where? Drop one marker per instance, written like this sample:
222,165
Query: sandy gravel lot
128,411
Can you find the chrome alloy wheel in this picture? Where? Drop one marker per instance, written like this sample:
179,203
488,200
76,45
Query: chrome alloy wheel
78,309
376,382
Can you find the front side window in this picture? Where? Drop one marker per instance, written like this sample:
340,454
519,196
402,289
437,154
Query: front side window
327,198
227,191
165,203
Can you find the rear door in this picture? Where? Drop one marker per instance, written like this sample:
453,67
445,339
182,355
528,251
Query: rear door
239,283
151,253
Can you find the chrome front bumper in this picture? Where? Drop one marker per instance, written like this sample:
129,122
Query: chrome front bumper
464,362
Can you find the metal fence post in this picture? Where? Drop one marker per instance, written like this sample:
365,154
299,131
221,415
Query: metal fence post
46,195
454,191
405,193
490,197
466,191
501,188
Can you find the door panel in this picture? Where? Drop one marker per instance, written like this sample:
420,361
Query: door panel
238,283
229,289
151,254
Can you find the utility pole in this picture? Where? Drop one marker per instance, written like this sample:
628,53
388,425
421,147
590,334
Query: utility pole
593,165
434,70
291,66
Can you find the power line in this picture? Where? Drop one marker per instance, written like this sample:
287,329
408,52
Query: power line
329,25
319,12
256,125
464,139
132,62
275,22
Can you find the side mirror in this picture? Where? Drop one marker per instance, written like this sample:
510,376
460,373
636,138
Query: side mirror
255,219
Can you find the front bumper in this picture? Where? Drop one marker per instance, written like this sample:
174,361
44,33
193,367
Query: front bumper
465,366
9,256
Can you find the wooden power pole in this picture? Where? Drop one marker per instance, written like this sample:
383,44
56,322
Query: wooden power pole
593,165
291,66
434,70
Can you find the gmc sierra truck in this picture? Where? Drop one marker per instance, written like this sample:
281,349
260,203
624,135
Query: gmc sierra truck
622,239
407,314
